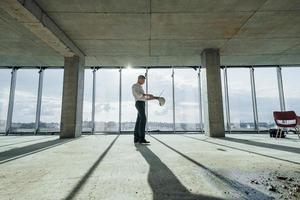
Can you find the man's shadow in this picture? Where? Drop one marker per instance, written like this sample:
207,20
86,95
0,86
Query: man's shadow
163,182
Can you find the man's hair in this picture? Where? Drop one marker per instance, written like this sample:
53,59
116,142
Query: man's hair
141,77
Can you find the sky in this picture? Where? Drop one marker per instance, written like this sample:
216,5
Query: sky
186,94
107,98
26,95
266,92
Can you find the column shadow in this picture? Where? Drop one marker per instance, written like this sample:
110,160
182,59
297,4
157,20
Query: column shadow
163,182
244,150
87,175
22,142
265,145
16,153
244,191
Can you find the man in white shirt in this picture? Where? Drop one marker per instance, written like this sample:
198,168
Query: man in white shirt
140,98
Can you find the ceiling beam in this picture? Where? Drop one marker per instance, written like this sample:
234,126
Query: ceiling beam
33,17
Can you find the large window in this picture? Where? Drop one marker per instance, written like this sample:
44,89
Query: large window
240,99
87,102
107,100
5,75
51,100
267,96
25,100
290,76
160,118
129,112
186,100
183,109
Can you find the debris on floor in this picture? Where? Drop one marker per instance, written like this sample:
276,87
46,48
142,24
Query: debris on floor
283,187
272,188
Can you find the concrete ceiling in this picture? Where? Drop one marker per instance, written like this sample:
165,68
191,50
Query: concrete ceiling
19,46
164,32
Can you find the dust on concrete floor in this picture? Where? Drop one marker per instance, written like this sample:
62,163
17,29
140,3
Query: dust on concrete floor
171,167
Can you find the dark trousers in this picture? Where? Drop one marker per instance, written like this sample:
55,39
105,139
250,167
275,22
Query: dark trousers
139,130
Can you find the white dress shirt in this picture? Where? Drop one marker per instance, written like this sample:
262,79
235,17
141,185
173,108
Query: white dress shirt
138,92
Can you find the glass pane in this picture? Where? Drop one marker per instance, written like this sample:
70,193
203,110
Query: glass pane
290,76
87,101
25,100
129,112
267,96
5,75
51,100
186,100
107,100
160,118
240,99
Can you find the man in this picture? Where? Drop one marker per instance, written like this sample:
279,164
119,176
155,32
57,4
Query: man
140,98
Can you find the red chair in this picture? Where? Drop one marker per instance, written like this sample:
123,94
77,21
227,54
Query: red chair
287,119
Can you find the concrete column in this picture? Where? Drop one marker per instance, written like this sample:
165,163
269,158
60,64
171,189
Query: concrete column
212,93
72,100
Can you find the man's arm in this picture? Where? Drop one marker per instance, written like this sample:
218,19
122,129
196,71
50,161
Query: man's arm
138,94
149,97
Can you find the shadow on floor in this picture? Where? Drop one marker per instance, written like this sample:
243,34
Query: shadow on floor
22,142
246,192
163,182
82,181
244,150
264,145
13,154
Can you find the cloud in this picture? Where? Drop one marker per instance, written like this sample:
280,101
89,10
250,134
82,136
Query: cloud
25,107
162,112
186,80
104,107
186,91
188,104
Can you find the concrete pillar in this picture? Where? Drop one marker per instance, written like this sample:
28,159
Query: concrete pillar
72,100
212,93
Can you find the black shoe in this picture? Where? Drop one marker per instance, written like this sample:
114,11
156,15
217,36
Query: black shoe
144,141
136,141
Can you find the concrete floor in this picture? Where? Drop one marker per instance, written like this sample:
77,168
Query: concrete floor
172,167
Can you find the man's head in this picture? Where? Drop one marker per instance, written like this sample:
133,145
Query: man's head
141,79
